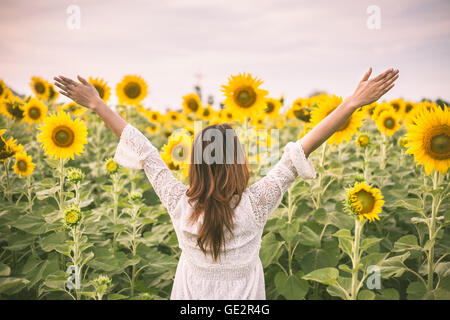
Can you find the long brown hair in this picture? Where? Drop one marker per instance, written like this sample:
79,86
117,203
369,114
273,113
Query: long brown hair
214,179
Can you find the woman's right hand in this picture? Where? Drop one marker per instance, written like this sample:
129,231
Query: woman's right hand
81,92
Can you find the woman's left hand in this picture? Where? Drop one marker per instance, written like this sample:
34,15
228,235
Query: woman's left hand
369,91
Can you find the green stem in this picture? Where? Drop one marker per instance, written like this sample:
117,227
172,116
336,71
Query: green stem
322,159
355,259
383,152
431,231
8,184
61,184
366,164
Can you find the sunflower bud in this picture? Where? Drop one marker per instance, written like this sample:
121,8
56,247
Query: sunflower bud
363,140
403,142
72,216
135,196
101,284
110,166
359,178
74,175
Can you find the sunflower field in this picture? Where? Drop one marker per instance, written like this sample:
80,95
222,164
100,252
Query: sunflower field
76,225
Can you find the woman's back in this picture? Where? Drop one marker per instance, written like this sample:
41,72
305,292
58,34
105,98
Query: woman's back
238,272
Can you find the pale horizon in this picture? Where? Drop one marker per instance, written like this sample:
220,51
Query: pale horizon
295,47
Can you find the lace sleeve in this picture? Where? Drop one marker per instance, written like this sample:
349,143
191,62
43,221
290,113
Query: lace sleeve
267,193
135,151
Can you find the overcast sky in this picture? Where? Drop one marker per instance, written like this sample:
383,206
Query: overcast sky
295,46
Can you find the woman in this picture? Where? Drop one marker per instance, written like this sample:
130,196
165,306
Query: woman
217,219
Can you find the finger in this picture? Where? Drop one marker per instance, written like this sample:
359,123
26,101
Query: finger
82,80
62,86
382,75
390,81
391,75
68,81
64,93
367,75
60,81
388,88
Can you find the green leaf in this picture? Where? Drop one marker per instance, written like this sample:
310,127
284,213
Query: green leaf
324,275
53,241
366,295
394,266
369,242
345,268
309,238
4,270
290,231
269,249
416,291
31,223
291,287
408,242
388,294
12,285
410,204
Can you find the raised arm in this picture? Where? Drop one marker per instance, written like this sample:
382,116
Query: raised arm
367,92
134,150
86,95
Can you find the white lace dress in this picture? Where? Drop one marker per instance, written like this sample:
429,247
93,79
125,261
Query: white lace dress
239,272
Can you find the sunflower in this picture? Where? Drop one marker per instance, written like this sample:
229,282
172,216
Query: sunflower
34,111
72,215
429,140
409,106
153,128
243,95
131,90
40,88
364,201
7,150
3,89
363,140
259,121
74,108
346,131
379,108
418,109
178,148
206,112
398,105
104,91
111,166
272,107
23,166
191,103
74,175
11,107
388,122
173,117
154,116
52,93
300,110
62,137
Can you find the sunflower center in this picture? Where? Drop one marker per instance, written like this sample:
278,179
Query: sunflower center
192,105
389,123
302,115
270,107
229,115
440,145
206,112
408,107
245,97
1,90
367,201
63,136
34,113
396,106
40,88
100,90
154,116
22,165
173,117
132,90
